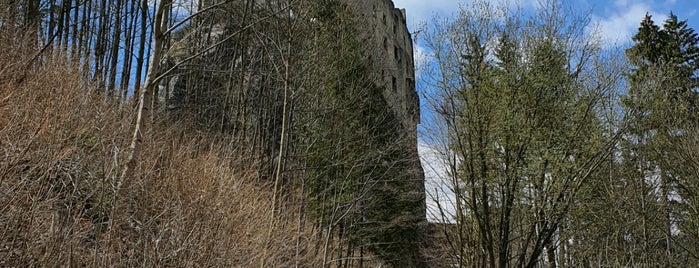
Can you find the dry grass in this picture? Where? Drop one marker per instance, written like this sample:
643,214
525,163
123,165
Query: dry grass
187,204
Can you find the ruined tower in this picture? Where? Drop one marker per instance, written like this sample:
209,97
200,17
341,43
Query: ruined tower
389,211
385,30
385,26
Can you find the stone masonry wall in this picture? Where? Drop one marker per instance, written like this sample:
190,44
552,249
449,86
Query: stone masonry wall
386,27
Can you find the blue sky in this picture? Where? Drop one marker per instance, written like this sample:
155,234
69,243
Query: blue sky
617,19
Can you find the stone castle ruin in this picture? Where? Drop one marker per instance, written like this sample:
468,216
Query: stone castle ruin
386,27
237,89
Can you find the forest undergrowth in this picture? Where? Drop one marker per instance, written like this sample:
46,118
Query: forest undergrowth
187,202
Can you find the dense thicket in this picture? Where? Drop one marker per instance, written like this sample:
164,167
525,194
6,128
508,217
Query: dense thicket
187,202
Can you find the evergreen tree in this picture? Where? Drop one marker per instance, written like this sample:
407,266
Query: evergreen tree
660,105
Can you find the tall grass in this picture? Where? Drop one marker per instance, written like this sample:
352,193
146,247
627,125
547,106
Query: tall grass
187,203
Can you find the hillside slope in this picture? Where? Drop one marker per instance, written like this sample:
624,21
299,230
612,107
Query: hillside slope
61,149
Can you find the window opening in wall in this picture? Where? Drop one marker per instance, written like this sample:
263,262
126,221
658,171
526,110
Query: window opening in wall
385,44
395,24
395,53
384,19
393,83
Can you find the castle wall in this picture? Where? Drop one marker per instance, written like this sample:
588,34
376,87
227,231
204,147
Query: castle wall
387,29
393,64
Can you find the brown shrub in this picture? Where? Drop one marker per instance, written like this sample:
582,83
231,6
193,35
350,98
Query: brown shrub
62,146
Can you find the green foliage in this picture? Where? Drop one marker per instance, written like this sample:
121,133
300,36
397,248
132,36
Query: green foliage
661,109
663,80
524,125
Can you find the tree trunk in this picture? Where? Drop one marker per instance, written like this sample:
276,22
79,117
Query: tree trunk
145,104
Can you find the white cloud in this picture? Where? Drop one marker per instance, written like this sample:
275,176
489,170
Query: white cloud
438,187
421,58
619,25
621,3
